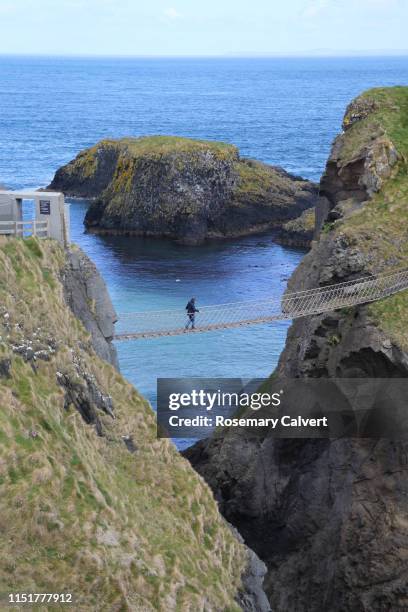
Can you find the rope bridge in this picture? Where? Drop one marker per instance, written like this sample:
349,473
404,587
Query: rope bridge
159,323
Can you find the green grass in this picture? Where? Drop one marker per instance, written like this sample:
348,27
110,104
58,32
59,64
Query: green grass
328,227
254,177
392,315
25,441
390,116
304,223
151,146
48,277
22,388
33,245
168,144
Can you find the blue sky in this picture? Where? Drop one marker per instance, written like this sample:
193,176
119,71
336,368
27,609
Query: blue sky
209,27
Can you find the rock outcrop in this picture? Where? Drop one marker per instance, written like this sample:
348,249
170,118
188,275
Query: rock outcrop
87,296
91,501
298,232
328,517
185,189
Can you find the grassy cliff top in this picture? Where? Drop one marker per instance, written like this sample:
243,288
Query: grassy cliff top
128,151
377,111
164,145
119,518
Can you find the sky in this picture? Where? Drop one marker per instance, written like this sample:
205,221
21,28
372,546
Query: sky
209,27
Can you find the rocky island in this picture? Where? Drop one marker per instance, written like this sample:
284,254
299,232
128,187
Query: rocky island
189,190
329,517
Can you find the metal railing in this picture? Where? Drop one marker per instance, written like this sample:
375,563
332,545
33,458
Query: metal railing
24,229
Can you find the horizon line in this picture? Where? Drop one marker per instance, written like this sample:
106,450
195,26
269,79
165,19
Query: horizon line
254,55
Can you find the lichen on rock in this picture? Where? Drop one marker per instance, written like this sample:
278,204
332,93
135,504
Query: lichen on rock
298,232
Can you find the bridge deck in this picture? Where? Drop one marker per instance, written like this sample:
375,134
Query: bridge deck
199,328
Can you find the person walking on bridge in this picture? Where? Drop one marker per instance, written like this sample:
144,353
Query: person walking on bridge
191,310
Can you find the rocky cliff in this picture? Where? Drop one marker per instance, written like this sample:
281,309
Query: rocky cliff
86,294
90,501
329,517
185,189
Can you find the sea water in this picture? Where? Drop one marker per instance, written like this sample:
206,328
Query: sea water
281,111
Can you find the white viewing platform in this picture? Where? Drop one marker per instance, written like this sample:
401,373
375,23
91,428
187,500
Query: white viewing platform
50,216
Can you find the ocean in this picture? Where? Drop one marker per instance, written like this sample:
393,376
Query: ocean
281,111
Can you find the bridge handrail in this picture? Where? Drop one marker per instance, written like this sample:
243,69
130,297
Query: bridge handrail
361,282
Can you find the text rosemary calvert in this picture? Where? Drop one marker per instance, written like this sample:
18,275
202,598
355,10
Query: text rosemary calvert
255,401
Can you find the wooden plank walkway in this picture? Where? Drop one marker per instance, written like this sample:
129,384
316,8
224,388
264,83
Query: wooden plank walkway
197,329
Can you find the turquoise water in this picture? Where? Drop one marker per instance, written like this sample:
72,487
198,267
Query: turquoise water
146,274
282,111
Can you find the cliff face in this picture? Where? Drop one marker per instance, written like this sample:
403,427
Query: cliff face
186,189
90,501
329,517
86,294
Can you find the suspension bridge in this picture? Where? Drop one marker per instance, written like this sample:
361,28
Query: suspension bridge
158,323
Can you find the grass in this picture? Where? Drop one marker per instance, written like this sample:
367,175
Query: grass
390,116
254,177
148,146
392,315
258,179
123,530
163,145
328,227
304,223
